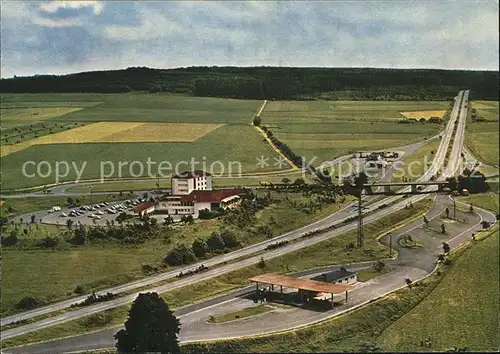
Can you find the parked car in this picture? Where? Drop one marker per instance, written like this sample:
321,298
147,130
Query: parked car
63,215
99,213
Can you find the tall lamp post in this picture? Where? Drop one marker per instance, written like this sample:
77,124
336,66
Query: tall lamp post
390,245
454,209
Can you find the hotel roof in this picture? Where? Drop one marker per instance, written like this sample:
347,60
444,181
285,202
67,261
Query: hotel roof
192,174
211,196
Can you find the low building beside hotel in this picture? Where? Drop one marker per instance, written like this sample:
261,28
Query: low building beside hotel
144,208
339,276
197,200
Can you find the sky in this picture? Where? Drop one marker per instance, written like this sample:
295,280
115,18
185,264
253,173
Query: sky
58,37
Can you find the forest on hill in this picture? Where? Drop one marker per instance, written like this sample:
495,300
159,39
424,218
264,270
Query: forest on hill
271,83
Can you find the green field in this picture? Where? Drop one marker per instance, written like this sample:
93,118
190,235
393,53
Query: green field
464,308
328,129
486,109
235,145
246,312
484,200
99,265
482,138
415,165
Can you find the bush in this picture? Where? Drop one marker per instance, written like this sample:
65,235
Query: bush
10,240
200,247
49,242
378,266
97,319
148,268
215,242
180,255
200,269
206,214
79,290
27,303
485,224
187,219
93,298
229,239
257,120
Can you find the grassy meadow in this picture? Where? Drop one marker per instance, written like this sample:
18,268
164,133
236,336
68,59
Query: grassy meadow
328,129
482,138
206,129
414,165
484,200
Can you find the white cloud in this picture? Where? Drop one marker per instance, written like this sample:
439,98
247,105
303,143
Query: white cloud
45,22
53,6
153,25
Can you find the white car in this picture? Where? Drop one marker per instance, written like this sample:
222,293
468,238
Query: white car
99,213
97,217
92,215
63,215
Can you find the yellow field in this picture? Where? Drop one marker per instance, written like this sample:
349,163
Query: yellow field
120,132
423,114
12,117
162,132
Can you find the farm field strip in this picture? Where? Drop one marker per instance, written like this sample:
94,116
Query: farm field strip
15,117
424,114
481,138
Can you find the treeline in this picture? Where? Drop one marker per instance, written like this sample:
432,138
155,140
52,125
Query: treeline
284,148
271,82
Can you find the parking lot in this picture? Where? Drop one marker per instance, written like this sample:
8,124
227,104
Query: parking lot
92,214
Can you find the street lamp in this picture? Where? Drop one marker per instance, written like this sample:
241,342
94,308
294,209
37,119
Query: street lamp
390,244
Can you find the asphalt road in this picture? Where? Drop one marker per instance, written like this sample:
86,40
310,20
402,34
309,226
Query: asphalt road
458,143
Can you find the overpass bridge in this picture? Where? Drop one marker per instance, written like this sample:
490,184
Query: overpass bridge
413,187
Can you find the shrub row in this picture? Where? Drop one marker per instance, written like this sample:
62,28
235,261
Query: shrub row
200,269
278,244
94,298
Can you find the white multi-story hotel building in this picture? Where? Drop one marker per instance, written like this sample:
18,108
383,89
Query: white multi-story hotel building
185,183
